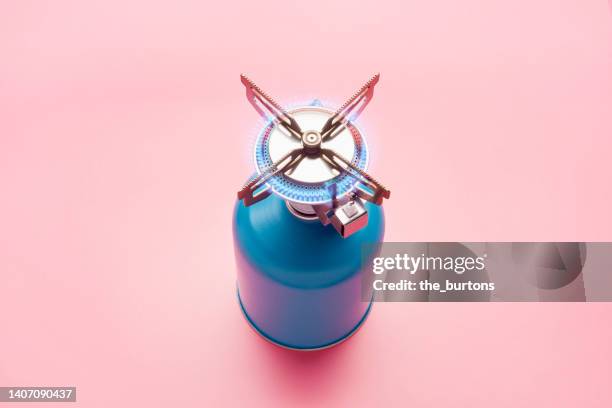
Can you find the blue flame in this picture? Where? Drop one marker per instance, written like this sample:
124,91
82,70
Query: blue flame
308,194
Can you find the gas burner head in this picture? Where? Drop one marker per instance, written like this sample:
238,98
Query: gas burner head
314,158
307,182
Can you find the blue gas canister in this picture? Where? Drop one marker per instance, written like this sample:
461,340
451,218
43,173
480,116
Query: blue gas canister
301,223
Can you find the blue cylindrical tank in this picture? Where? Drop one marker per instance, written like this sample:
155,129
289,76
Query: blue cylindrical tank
299,282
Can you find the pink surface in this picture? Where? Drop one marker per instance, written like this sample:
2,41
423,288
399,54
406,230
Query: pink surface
120,121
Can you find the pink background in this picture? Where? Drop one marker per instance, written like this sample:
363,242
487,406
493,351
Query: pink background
124,135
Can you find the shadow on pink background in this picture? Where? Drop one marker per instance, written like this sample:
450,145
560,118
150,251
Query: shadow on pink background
124,135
